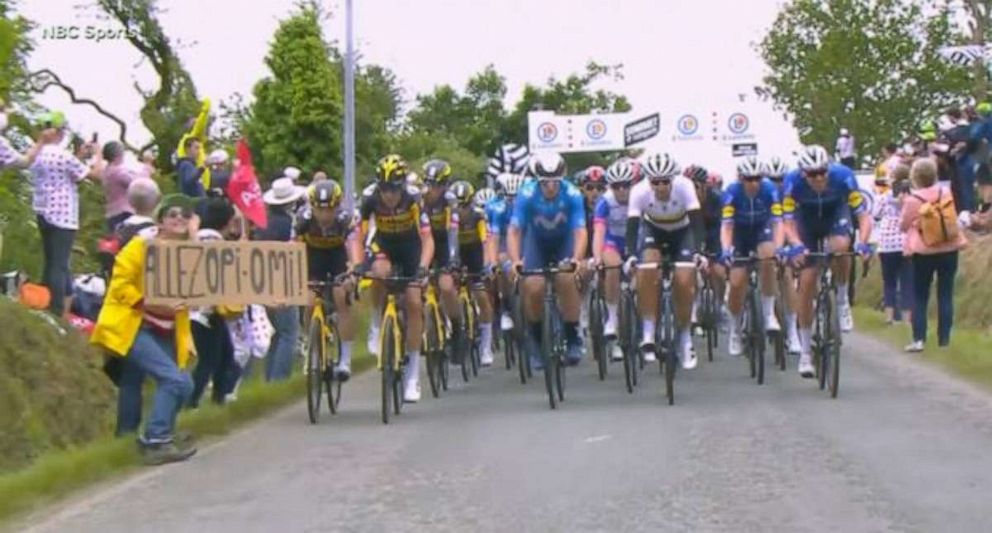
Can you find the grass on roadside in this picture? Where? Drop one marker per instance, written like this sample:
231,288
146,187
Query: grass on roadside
56,475
969,355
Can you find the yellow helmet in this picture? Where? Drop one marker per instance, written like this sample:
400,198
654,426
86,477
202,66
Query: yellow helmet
326,193
437,171
463,192
391,169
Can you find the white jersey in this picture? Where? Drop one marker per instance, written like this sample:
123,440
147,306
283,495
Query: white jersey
668,215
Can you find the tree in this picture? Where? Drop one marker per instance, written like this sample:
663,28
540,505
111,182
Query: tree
419,147
15,45
296,116
867,65
168,108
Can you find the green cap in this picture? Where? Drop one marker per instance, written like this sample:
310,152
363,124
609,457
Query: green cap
52,119
984,108
173,200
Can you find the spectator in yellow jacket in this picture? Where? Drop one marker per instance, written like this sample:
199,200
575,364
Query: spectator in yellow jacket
154,340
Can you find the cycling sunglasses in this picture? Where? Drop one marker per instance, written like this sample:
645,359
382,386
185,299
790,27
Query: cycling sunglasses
660,181
751,179
619,186
816,173
595,187
390,187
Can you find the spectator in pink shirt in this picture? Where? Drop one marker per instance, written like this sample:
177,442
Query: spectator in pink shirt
116,177
940,260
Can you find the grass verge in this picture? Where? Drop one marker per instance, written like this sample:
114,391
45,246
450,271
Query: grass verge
58,474
969,355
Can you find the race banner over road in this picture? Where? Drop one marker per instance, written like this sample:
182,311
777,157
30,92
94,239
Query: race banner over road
226,272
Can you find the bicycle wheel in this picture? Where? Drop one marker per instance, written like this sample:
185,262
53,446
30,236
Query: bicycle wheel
464,347
508,349
779,338
388,358
548,356
758,335
626,340
668,341
315,371
709,319
824,312
559,359
596,335
833,347
432,349
333,356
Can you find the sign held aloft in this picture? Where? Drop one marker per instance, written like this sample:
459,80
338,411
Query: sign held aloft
226,272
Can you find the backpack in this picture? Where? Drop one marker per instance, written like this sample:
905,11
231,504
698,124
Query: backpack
938,220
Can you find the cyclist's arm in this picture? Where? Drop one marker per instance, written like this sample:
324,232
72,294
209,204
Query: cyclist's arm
790,229
453,223
598,239
426,238
513,243
353,246
778,229
727,220
578,224
857,203
579,246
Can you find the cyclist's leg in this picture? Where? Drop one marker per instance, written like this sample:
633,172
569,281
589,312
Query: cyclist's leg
569,300
766,251
611,288
648,287
735,305
684,292
337,264
449,299
840,241
532,293
505,292
472,258
381,267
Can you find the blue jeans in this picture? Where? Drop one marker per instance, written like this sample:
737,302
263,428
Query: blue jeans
129,397
279,361
897,281
944,266
155,355
56,245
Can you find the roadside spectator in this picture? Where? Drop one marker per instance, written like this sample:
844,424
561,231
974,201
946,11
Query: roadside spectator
319,176
148,161
153,340
940,260
220,171
281,199
57,174
116,178
897,271
143,196
189,174
292,173
845,151
11,158
211,335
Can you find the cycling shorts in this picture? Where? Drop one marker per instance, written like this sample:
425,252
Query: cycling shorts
748,238
813,230
472,258
326,264
539,253
403,254
676,245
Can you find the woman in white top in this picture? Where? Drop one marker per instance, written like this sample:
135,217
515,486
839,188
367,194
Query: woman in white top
897,272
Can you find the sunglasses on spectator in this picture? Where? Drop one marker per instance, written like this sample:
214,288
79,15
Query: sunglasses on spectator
178,212
619,186
595,187
660,181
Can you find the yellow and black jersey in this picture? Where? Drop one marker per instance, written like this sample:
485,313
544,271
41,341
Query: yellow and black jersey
331,237
439,215
471,226
404,221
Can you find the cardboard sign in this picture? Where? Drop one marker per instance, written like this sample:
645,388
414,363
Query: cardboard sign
226,272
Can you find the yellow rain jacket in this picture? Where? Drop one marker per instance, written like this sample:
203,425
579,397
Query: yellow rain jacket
199,131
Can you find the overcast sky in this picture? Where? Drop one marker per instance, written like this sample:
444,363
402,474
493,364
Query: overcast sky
679,56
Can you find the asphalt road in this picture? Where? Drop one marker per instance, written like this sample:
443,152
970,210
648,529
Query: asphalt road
904,448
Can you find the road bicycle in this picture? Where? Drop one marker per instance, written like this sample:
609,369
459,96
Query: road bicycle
323,350
552,335
435,338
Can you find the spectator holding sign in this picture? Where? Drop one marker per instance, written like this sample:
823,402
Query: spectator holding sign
154,340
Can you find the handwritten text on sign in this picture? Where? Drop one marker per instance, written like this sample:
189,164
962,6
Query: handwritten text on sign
222,272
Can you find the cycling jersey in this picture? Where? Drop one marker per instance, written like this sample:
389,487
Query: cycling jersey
669,215
613,216
751,217
439,214
820,215
498,213
548,225
326,253
712,214
398,228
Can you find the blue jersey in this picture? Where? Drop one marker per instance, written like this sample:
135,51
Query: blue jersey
748,213
549,219
613,216
498,214
842,188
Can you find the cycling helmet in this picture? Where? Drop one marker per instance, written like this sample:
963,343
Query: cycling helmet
750,166
482,197
776,168
547,165
696,173
621,171
594,174
510,183
391,169
413,180
462,191
437,171
814,158
661,166
326,193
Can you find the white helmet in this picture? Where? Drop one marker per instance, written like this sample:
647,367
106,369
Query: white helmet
621,171
482,196
777,168
661,166
751,166
814,157
510,183
547,165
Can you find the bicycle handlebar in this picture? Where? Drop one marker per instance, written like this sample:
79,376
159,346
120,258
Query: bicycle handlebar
547,271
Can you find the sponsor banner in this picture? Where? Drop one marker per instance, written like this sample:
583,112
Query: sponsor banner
642,129
575,133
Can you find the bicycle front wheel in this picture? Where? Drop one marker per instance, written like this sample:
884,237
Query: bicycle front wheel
596,332
315,371
627,339
388,361
833,349
333,356
668,343
548,355
758,335
432,347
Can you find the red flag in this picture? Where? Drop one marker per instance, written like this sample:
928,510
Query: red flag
243,189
